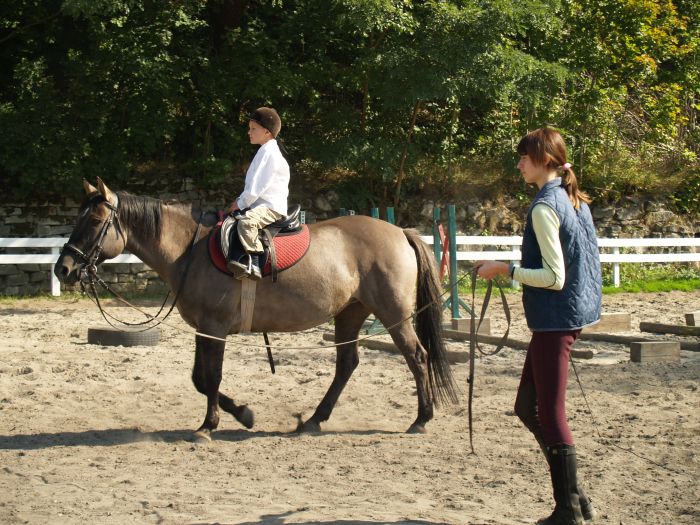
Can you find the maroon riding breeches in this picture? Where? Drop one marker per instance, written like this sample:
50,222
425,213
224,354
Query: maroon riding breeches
541,399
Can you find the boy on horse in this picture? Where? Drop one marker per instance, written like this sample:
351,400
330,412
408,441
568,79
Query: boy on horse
264,198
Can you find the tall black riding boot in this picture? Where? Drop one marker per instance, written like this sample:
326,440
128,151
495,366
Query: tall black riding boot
587,510
562,467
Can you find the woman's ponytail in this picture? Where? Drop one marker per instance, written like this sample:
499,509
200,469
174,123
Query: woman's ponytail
570,184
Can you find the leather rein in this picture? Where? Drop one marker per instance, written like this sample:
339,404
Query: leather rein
473,339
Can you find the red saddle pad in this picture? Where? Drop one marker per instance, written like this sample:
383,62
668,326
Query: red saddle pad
289,248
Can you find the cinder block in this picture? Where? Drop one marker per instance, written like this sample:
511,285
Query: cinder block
693,318
655,351
611,322
464,325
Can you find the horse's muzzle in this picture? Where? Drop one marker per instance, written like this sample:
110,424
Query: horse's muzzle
66,270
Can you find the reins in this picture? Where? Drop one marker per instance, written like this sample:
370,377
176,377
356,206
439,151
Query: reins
473,339
90,275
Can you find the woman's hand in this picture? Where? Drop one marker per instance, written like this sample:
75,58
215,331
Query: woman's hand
490,269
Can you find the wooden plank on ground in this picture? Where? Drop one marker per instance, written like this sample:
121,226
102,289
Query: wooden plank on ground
678,329
464,324
387,346
510,343
655,351
454,356
627,339
693,318
611,323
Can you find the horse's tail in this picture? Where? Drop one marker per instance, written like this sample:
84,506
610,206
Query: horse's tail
429,321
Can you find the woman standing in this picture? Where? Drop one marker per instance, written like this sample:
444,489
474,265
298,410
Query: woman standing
561,279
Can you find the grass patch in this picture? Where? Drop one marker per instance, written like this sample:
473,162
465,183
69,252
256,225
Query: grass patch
656,285
640,278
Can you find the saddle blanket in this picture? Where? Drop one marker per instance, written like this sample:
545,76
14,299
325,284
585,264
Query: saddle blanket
289,249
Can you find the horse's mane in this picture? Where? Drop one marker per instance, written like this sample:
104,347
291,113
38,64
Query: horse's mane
142,214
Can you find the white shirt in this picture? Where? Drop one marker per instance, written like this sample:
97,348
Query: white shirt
552,274
267,180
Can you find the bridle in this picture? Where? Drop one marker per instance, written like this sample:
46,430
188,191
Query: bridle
88,276
89,258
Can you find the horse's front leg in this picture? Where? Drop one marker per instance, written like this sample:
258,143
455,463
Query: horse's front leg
206,376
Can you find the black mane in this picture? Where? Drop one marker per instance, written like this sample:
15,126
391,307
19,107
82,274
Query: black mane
142,214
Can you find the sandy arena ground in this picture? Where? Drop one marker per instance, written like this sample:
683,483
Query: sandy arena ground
92,434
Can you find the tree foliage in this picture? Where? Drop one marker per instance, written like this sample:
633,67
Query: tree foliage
377,97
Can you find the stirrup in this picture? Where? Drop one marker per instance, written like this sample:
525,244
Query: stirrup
241,270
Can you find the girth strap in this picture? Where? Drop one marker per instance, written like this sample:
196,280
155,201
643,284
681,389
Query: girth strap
247,304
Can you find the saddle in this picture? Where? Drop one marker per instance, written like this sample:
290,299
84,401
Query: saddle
285,242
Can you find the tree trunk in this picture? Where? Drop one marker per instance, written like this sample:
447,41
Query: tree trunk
404,154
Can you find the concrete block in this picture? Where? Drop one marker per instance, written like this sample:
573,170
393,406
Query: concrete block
693,318
611,323
464,325
37,277
9,269
17,279
655,351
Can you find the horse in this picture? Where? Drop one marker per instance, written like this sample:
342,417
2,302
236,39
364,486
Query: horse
355,266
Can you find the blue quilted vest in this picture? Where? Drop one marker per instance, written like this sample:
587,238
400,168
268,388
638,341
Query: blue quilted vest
578,303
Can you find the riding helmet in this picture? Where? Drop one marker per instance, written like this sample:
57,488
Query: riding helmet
268,119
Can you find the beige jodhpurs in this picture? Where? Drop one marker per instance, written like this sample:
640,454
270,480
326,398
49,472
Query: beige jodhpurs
248,225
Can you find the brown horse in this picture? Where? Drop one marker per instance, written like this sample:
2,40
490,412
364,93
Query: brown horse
355,266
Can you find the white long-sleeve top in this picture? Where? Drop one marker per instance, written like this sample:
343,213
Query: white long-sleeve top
552,274
267,180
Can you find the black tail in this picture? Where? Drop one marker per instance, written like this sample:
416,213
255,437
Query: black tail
429,321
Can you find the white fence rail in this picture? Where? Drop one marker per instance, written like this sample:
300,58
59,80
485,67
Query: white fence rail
54,245
508,250
511,250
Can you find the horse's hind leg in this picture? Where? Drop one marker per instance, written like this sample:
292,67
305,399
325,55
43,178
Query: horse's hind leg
347,327
406,340
206,376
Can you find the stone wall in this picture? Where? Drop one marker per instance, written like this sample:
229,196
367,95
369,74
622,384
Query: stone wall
631,217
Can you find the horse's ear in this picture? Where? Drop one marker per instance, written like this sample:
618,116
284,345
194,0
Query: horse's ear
89,188
105,191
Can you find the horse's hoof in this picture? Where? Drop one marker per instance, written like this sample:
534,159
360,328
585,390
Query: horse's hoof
415,428
202,436
309,426
245,416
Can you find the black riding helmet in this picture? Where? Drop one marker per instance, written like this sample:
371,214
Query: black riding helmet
268,119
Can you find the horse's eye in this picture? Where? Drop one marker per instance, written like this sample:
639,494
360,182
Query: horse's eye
95,221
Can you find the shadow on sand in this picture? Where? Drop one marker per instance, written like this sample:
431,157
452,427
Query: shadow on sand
280,519
122,436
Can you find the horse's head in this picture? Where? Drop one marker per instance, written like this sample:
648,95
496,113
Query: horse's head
97,234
